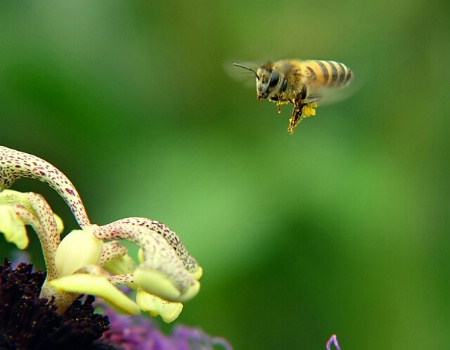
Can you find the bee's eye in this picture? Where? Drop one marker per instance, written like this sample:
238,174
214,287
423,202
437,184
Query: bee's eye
283,85
274,77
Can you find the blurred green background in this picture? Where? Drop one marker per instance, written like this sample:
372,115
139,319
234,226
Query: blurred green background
340,228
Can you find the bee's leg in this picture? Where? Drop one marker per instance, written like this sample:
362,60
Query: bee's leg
279,101
299,103
296,116
279,106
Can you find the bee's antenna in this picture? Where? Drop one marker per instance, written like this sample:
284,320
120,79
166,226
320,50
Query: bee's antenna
248,68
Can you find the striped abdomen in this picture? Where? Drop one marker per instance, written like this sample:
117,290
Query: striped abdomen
327,73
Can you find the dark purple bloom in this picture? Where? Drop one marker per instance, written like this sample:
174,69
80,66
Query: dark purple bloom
31,323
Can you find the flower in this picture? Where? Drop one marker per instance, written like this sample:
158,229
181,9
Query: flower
91,260
45,311
333,340
33,323
139,333
30,322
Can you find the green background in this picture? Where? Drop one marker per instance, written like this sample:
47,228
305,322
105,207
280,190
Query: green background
340,228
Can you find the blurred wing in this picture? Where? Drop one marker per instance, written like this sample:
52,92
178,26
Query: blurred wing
327,96
313,98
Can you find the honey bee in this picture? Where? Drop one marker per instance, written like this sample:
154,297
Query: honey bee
301,83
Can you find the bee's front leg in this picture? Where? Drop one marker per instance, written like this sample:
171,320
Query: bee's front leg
279,106
278,101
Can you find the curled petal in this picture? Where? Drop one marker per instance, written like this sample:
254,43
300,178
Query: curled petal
121,266
13,227
160,284
169,311
15,165
198,273
162,272
115,259
33,210
99,286
78,249
164,231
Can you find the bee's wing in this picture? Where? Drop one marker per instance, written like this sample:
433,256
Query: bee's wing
330,95
313,98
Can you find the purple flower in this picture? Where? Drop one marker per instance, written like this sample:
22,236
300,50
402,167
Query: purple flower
333,340
140,333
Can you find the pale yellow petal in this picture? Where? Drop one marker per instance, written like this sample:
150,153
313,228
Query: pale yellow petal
78,249
13,227
169,311
59,223
198,273
190,292
120,266
157,283
99,286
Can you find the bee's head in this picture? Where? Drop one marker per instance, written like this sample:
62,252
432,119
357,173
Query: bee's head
266,79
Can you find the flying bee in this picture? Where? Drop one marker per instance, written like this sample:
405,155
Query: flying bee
301,83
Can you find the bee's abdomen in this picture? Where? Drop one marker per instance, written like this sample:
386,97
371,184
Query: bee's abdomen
328,73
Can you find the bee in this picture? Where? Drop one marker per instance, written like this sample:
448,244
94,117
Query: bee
301,83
